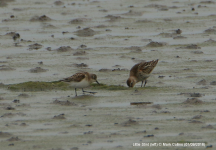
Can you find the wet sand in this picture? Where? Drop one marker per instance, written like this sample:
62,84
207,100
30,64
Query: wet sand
107,38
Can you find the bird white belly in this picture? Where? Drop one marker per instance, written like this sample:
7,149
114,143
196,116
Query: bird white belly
142,77
81,84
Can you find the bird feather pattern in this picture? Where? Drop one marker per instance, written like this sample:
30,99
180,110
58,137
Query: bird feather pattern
75,78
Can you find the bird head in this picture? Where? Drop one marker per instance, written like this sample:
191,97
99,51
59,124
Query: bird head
94,78
131,82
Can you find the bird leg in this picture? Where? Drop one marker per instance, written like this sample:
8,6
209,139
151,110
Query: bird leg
141,83
88,92
83,91
75,92
145,83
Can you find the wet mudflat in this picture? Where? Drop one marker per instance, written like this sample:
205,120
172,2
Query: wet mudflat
60,38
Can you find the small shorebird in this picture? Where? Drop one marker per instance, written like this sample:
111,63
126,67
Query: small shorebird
81,80
16,38
140,72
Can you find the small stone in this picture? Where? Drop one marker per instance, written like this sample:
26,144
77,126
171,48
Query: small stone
178,31
149,135
197,117
9,108
209,146
89,125
16,101
89,132
61,116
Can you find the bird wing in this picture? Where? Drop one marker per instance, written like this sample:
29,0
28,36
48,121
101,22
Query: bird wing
147,67
76,77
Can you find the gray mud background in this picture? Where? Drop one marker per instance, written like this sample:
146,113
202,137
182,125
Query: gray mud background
107,37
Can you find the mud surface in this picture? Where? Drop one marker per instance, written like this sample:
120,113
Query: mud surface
107,37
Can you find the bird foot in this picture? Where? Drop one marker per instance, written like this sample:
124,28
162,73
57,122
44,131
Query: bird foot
90,92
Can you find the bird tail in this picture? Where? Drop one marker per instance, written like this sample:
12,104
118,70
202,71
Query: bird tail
154,62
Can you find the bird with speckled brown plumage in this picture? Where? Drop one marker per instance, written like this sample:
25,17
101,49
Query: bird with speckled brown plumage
81,80
140,72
